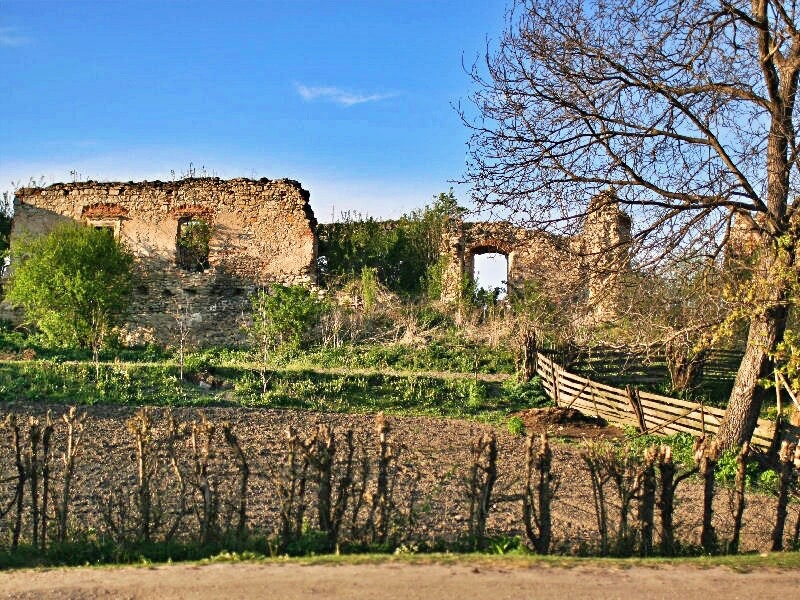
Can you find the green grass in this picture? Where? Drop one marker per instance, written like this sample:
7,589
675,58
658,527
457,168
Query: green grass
450,355
257,551
158,384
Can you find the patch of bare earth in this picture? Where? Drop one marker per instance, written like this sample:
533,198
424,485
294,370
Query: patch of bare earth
568,423
393,580
431,489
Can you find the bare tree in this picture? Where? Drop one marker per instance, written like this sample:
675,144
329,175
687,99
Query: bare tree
685,109
183,322
677,312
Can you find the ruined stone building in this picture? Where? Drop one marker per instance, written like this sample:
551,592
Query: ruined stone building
583,270
202,245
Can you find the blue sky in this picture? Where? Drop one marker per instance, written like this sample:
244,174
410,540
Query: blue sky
352,98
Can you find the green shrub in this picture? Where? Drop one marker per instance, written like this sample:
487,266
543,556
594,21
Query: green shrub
768,481
531,394
476,394
515,426
401,253
74,284
682,444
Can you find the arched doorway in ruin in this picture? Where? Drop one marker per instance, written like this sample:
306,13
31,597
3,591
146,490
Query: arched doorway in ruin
489,263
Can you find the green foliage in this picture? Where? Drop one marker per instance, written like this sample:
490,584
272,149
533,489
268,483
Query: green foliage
433,280
369,288
80,383
428,317
284,317
159,385
530,394
503,545
768,481
194,238
402,253
787,358
449,354
6,207
535,310
74,284
682,444
476,394
515,426
486,298
15,341
727,466
310,543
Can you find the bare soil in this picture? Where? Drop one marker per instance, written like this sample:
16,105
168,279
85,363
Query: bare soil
394,580
568,423
435,459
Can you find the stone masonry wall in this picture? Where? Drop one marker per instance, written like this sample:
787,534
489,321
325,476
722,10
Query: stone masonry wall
584,271
605,250
261,232
532,256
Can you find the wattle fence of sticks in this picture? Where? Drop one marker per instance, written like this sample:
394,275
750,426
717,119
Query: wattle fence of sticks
648,412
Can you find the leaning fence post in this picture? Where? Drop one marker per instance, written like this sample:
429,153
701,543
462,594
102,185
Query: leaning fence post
778,433
554,373
703,416
636,405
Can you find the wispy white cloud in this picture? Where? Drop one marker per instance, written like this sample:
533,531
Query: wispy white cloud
337,95
10,37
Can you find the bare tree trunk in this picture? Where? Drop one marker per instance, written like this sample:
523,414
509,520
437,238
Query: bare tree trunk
47,433
528,355
706,454
537,499
741,481
244,477
685,366
74,433
13,425
744,405
483,477
786,477
768,291
647,501
378,519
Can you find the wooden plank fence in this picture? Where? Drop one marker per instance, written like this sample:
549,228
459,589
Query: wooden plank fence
647,412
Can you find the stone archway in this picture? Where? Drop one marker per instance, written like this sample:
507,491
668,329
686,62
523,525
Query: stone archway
484,247
469,240
573,269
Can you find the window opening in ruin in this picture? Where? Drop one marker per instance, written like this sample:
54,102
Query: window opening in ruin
490,273
110,226
194,236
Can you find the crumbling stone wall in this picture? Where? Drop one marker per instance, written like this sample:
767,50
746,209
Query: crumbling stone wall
261,232
605,251
584,270
532,256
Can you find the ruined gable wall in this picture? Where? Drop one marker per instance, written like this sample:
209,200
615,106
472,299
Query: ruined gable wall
585,271
532,256
605,248
261,232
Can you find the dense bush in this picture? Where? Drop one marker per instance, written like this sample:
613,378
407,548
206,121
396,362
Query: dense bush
400,252
74,284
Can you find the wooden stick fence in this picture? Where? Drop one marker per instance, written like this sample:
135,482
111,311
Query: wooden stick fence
647,412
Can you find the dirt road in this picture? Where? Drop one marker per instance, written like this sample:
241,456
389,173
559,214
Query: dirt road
293,581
